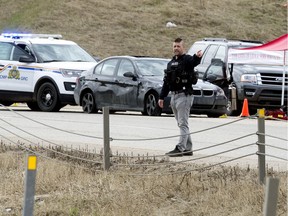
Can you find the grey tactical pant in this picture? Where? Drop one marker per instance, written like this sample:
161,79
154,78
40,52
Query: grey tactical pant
181,105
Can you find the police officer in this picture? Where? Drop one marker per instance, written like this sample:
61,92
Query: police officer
178,79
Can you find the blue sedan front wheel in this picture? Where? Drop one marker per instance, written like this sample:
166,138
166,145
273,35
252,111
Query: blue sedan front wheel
151,105
88,103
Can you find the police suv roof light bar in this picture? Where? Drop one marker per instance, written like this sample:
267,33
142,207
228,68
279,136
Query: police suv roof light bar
23,35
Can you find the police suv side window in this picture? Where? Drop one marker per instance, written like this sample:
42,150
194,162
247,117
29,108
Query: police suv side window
209,53
195,47
5,51
17,53
221,53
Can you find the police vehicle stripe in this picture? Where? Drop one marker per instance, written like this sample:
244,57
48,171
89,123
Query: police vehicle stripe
29,68
32,68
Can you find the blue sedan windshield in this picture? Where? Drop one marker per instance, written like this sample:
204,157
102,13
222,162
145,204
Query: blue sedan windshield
148,67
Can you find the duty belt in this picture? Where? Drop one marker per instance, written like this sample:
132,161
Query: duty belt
177,92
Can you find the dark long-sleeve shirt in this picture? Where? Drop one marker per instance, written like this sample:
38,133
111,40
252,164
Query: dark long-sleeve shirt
188,63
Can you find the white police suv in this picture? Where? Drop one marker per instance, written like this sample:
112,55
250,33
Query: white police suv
40,70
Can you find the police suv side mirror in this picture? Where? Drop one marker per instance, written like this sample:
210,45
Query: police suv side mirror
216,61
210,78
27,59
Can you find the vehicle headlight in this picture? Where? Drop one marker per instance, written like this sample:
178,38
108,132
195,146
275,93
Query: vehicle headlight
220,92
250,78
71,73
159,85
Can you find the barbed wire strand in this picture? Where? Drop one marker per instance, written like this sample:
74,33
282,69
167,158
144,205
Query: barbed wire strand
191,170
46,157
189,160
273,156
52,150
144,139
48,142
167,137
92,160
126,139
273,118
264,134
276,147
199,149
49,126
69,148
117,139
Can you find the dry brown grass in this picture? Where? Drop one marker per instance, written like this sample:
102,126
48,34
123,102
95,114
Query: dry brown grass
137,27
70,189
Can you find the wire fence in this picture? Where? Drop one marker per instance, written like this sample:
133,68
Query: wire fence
95,159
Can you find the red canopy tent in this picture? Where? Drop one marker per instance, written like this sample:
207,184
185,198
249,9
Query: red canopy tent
271,53
279,44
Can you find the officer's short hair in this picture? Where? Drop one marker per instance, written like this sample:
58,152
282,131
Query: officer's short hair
178,40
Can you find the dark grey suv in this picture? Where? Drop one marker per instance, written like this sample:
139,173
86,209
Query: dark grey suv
217,48
260,84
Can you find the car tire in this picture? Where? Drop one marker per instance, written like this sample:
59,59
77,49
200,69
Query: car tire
6,103
151,105
47,98
231,112
33,106
88,103
213,115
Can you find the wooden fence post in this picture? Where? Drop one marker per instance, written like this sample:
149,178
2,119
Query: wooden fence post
29,190
106,138
271,196
261,146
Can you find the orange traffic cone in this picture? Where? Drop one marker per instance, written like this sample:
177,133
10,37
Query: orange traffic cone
245,110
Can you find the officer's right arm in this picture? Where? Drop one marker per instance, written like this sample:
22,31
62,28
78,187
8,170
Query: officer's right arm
164,92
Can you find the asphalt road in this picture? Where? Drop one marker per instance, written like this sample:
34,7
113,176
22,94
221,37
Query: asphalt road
134,134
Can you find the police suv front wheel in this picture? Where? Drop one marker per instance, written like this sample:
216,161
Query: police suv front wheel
33,106
47,98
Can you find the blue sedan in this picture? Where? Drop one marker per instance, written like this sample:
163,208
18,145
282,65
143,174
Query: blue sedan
128,83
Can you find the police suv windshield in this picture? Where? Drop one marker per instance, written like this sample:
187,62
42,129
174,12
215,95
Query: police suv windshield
61,53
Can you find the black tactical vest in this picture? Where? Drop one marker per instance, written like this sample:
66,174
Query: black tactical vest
176,76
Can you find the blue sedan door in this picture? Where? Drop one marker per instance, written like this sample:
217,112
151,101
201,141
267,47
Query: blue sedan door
127,87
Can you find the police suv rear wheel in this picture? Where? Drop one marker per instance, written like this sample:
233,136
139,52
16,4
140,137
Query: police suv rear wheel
47,98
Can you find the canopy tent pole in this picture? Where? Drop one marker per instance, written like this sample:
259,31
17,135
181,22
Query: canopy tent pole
283,79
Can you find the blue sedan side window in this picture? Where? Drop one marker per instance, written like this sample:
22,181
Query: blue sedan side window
125,66
98,68
109,67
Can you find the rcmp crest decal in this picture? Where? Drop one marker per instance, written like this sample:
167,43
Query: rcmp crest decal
14,73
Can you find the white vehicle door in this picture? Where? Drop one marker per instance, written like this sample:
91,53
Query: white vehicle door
15,75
